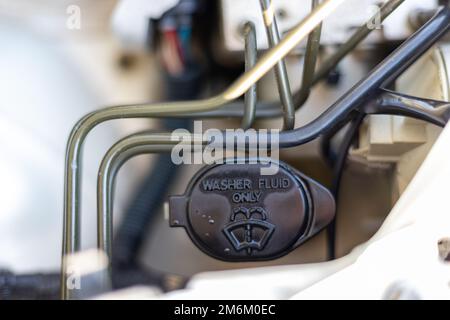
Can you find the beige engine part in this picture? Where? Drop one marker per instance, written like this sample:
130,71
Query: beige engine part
405,142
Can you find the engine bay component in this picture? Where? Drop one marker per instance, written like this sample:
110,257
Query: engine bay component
317,125
335,31
234,213
354,101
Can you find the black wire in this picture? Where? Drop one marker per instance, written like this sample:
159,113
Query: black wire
338,171
325,142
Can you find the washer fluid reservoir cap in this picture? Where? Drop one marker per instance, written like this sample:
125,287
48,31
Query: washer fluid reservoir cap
233,212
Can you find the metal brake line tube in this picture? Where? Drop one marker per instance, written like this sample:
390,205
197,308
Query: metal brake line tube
71,229
331,62
284,87
146,142
115,158
251,54
266,110
311,55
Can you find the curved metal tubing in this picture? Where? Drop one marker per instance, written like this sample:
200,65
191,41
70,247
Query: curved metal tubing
266,110
281,75
251,53
327,66
117,155
115,158
311,55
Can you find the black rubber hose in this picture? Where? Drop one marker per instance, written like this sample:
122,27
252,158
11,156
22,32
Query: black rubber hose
338,171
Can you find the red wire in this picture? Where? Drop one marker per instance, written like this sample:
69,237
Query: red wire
172,52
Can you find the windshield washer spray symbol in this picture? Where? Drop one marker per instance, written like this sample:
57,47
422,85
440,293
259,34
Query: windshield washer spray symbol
241,233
